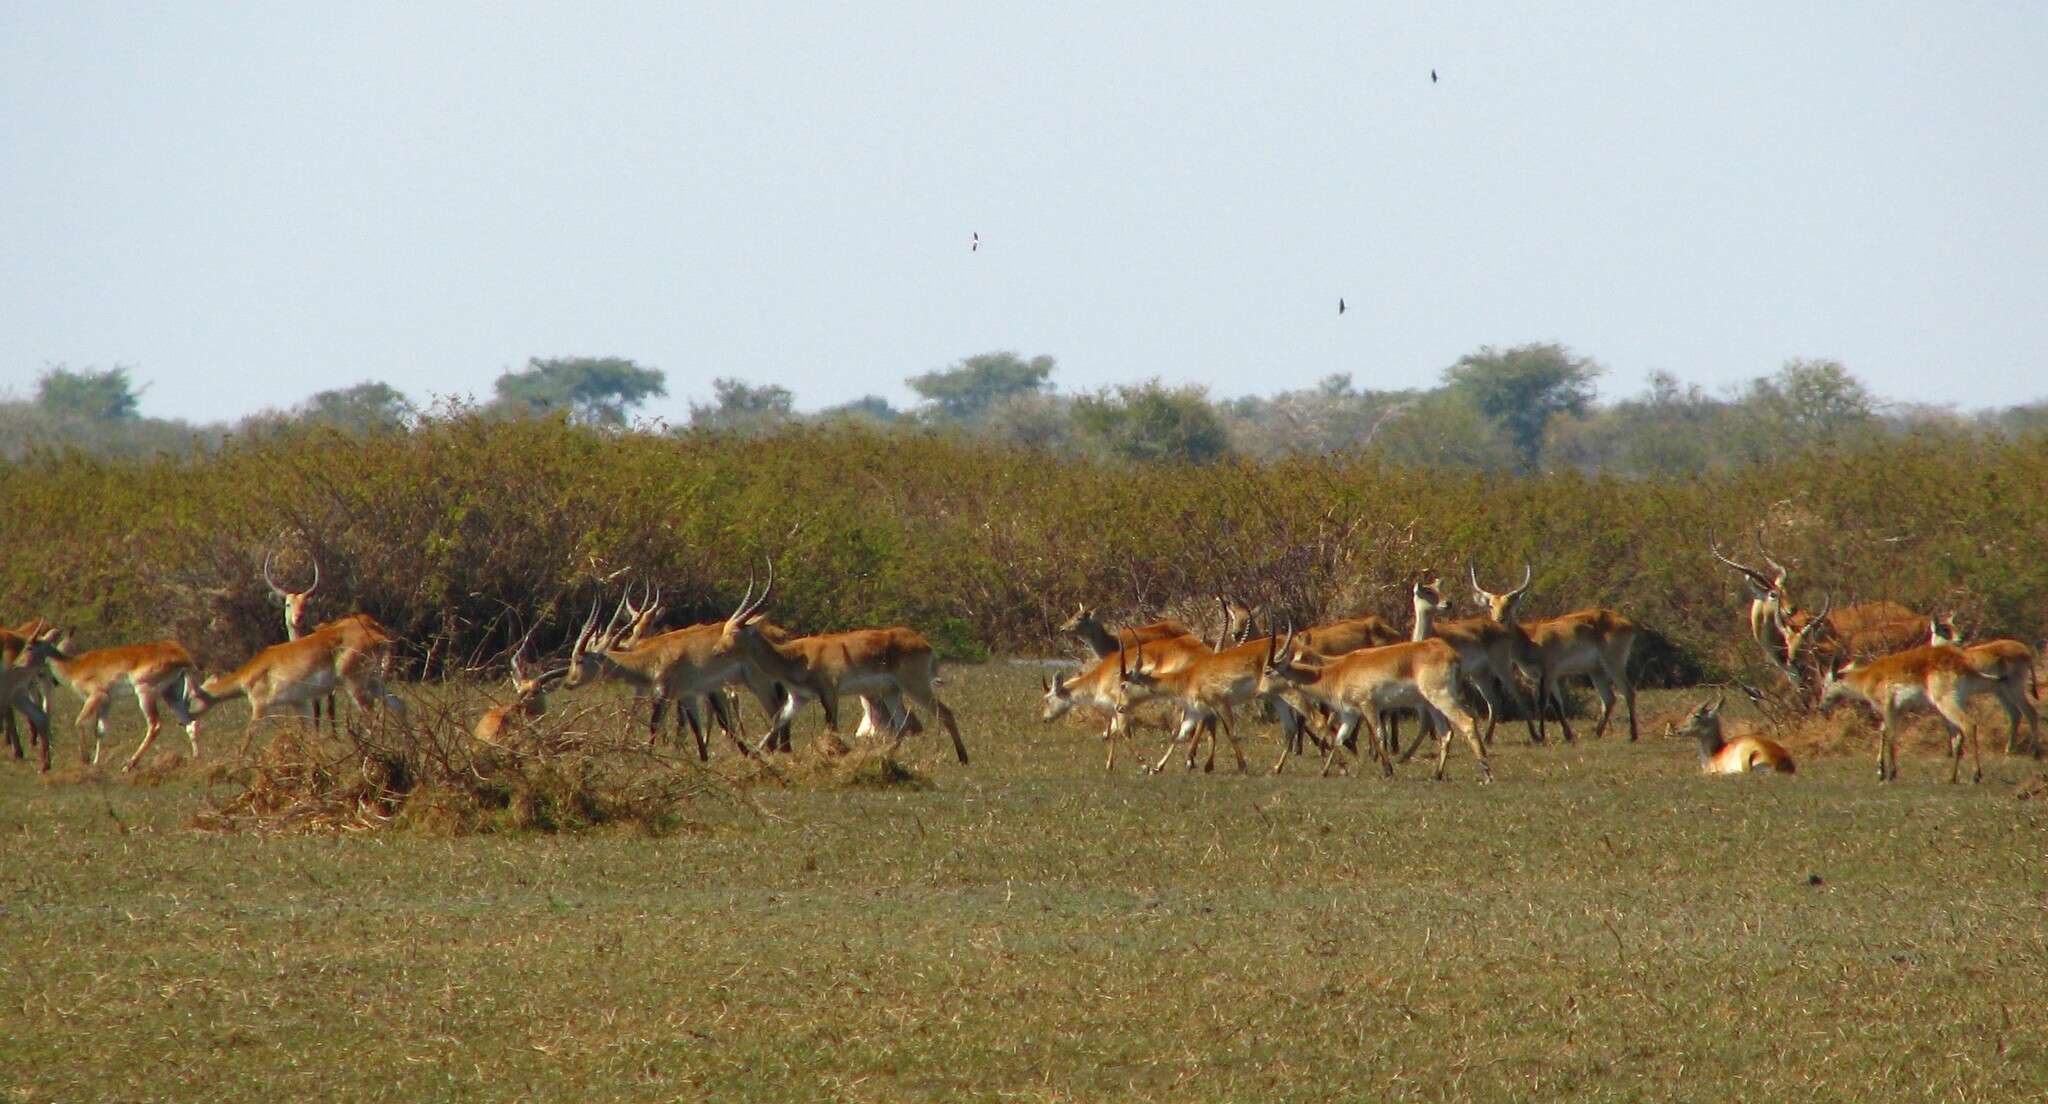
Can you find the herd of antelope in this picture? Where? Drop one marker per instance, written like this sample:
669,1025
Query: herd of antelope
1329,684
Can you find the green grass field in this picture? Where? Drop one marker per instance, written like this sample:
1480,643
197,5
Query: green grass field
1600,923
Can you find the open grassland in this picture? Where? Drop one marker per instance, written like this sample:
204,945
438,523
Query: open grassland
1602,923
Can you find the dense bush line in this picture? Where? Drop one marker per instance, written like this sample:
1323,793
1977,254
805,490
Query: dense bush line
440,531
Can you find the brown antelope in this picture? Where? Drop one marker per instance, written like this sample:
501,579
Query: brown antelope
1419,675
160,672
1938,676
1766,600
529,702
1592,642
888,665
1486,652
1094,688
1819,642
350,653
296,606
1722,756
1207,688
2009,661
678,665
1086,625
21,690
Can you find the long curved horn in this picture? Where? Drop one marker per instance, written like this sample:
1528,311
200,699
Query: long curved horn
271,582
1779,582
1472,572
1528,573
740,611
316,576
1719,701
1752,574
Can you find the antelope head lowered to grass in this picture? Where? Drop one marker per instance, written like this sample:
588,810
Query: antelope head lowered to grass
1723,756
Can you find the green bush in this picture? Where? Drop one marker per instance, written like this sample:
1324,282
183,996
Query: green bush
439,531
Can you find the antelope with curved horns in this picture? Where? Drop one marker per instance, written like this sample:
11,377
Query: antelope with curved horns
1486,652
1722,756
1822,641
1938,676
295,603
888,664
677,666
529,702
2009,661
160,672
1766,597
1592,642
1421,675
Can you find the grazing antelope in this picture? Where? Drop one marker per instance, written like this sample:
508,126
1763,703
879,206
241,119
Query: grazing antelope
349,653
529,689
1590,642
888,664
1938,676
1420,675
1721,756
2009,661
160,672
1095,688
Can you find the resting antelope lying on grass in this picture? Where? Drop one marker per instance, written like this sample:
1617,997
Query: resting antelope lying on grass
1722,756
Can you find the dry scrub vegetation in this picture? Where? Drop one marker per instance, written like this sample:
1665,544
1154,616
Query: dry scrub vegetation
1601,923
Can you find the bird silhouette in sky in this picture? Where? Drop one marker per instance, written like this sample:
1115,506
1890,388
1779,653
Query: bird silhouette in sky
1432,76
975,245
1340,306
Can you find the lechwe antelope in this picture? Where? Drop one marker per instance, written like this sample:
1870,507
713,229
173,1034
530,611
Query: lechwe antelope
1938,676
1421,675
1100,640
21,690
1590,642
296,604
679,666
1486,652
529,701
1207,688
1820,642
1094,688
350,653
2011,662
888,665
160,672
1722,756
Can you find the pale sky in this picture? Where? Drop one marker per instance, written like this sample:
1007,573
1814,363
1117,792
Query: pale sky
249,203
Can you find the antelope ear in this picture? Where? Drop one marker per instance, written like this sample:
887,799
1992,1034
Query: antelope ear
1043,683
754,619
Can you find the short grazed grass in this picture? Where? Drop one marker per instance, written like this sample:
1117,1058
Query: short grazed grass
1601,923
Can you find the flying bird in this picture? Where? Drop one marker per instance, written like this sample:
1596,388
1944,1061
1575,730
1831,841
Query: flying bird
1432,76
1340,306
975,247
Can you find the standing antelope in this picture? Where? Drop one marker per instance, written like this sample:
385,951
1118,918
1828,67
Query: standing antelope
1420,675
296,606
1486,652
888,664
350,653
677,665
1720,756
1085,624
21,690
1208,688
2009,661
1938,676
160,672
1590,642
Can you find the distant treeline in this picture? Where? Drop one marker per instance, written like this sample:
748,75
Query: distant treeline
1523,410
462,526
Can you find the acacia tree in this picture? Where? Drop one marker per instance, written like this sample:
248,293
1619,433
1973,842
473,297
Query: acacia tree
368,407
967,390
1521,389
594,390
1150,422
99,395
737,404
